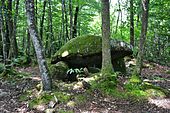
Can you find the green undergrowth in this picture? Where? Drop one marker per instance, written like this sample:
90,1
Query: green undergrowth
11,75
64,111
45,97
133,89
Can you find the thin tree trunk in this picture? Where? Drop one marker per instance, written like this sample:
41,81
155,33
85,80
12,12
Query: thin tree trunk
106,51
15,28
117,23
66,22
75,22
42,20
36,12
131,24
63,26
71,18
50,38
10,29
145,9
3,32
45,76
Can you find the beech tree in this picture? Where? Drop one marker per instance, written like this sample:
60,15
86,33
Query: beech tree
145,9
45,76
2,30
131,23
106,51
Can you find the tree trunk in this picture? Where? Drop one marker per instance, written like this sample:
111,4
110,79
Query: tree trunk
63,26
117,22
66,22
50,38
42,20
106,51
75,22
45,76
71,18
15,29
145,9
2,30
10,29
131,24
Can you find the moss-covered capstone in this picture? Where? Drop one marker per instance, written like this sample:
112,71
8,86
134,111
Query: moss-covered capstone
86,51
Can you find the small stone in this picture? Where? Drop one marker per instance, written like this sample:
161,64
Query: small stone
51,104
49,111
78,85
3,94
71,104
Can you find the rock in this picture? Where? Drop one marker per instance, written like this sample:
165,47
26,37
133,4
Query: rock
86,51
78,85
93,70
59,70
50,111
3,94
81,85
71,104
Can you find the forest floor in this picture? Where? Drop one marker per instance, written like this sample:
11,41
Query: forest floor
96,102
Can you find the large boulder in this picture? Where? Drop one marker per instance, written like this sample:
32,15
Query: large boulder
86,51
59,70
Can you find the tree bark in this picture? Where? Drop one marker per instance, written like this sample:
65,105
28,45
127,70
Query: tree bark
50,38
10,29
145,10
66,22
106,51
3,32
131,24
71,18
15,28
75,22
45,76
42,20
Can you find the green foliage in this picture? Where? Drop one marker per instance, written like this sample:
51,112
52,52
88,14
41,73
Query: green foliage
1,67
106,83
80,98
21,60
77,71
64,111
45,98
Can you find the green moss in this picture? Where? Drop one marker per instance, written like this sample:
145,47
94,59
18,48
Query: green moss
135,79
83,45
45,98
23,97
64,111
167,72
1,67
154,93
62,96
59,70
80,99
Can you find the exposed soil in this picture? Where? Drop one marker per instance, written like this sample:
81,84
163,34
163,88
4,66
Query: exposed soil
96,102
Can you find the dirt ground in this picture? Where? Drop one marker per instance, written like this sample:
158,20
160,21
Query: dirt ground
96,102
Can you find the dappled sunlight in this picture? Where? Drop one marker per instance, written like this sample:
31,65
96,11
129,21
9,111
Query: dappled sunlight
164,103
65,53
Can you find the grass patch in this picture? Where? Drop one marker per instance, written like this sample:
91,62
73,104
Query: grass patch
45,98
64,111
134,89
80,98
